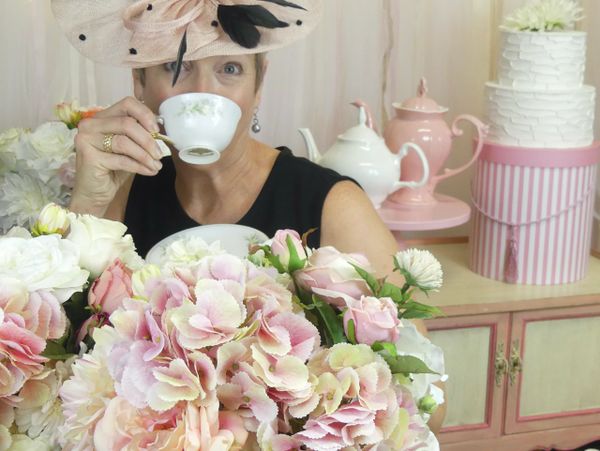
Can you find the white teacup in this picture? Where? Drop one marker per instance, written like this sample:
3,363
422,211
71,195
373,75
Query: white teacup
200,125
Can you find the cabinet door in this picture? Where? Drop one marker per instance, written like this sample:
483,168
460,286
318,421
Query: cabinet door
555,363
474,350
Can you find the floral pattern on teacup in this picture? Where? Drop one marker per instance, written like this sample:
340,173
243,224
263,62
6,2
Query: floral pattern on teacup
205,107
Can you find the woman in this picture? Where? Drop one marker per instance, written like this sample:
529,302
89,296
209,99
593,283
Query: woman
195,46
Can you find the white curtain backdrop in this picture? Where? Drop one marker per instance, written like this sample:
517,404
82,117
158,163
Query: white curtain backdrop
375,50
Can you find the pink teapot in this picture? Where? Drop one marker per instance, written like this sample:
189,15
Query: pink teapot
420,120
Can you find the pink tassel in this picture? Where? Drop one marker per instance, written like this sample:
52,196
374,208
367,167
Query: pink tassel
511,270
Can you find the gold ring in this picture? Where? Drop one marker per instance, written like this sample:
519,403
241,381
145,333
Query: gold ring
107,143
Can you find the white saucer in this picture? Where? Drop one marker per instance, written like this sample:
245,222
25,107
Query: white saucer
234,239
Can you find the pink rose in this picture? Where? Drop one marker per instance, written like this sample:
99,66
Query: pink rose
110,289
330,272
279,246
374,319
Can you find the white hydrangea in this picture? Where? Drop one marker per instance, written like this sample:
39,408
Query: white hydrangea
9,141
47,149
420,268
545,15
22,197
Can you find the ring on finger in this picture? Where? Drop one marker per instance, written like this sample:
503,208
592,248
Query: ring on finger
107,143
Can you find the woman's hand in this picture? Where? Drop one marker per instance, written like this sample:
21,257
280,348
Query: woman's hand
101,172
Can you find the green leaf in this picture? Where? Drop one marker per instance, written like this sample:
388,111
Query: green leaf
55,351
296,262
416,310
332,325
389,348
351,332
389,290
369,278
406,364
273,259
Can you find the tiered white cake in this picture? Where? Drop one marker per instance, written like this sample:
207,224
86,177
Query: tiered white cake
540,100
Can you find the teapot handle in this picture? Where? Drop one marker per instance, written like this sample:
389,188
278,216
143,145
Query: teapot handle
401,154
482,130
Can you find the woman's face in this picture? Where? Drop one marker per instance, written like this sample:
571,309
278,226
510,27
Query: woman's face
233,77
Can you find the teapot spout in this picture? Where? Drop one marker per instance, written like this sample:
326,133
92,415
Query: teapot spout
313,152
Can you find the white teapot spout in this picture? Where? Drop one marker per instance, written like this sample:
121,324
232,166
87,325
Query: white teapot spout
313,152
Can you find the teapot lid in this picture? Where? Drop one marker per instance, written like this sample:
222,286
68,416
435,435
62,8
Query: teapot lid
361,132
421,103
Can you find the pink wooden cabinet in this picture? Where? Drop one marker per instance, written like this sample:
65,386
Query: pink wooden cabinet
523,361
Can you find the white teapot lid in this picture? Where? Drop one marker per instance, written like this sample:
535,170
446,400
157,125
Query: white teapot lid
361,132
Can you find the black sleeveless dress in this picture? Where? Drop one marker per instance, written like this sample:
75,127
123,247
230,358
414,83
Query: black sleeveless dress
291,198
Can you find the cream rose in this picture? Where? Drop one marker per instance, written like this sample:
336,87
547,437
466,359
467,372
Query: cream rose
100,242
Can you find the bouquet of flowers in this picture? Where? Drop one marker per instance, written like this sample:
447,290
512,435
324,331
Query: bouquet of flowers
38,167
289,348
545,15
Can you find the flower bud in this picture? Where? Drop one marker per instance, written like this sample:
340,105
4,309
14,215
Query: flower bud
53,219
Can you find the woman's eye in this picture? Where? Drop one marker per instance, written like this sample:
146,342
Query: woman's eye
232,69
170,67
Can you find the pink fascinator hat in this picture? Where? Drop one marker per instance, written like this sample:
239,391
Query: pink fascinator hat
136,34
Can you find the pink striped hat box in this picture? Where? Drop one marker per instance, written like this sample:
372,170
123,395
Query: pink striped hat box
533,213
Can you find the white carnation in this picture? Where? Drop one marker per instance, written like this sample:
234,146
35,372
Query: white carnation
545,15
100,242
43,263
420,268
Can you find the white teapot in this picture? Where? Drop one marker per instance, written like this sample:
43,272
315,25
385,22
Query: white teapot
362,154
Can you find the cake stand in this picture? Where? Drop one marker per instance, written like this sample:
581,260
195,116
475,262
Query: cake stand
445,212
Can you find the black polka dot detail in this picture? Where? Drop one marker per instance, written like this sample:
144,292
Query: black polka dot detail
298,22
214,23
149,7
82,37
133,51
